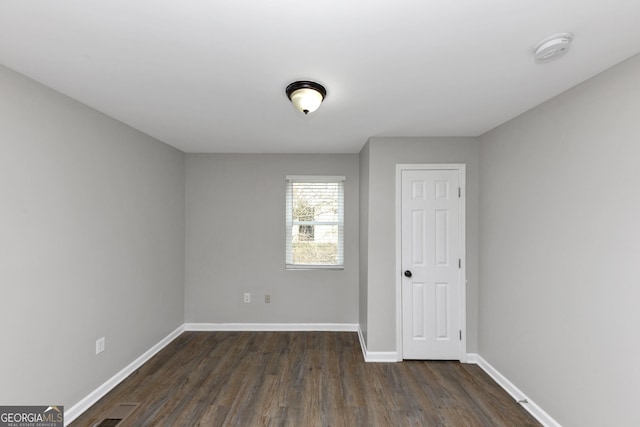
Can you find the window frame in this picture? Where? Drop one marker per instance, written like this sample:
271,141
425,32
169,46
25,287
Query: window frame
290,223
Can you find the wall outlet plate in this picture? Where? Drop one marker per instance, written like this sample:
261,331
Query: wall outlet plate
100,344
247,297
267,299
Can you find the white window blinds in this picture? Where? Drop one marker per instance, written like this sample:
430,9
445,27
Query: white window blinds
314,222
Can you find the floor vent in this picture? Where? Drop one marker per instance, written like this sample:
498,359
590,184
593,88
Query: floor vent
109,422
118,415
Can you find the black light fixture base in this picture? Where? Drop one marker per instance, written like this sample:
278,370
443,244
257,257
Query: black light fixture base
305,84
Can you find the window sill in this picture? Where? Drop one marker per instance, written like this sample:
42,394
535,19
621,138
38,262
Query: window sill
294,267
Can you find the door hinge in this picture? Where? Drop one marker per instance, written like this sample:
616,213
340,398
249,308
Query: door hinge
461,335
459,192
459,263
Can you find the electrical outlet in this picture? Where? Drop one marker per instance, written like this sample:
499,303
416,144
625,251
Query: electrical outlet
267,299
100,344
247,297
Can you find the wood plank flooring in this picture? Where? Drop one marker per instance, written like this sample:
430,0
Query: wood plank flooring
301,379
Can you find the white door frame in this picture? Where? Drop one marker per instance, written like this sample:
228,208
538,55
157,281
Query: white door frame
461,168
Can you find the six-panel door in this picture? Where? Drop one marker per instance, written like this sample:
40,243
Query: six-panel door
431,253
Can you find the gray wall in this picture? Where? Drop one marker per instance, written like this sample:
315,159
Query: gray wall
236,241
91,244
364,242
560,225
384,154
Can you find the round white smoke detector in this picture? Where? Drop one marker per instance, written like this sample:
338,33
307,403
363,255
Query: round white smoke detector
552,47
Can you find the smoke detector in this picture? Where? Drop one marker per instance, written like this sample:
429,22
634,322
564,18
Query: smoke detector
552,47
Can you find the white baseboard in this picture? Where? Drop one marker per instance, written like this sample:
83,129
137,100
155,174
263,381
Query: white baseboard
76,410
375,356
528,404
326,327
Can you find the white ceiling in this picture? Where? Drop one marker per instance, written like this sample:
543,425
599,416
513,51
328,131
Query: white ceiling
209,76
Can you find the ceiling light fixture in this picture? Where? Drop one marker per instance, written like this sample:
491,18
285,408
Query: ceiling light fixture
552,47
306,96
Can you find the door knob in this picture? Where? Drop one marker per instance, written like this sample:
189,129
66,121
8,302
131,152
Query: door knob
408,273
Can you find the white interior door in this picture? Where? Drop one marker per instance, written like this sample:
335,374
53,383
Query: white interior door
431,264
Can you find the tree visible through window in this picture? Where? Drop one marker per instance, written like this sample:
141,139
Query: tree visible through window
314,221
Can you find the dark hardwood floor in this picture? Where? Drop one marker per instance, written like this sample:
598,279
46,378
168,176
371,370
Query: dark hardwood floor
301,379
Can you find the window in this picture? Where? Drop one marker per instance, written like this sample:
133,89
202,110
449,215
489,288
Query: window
314,222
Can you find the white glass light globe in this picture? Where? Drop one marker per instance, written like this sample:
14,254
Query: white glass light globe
306,100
